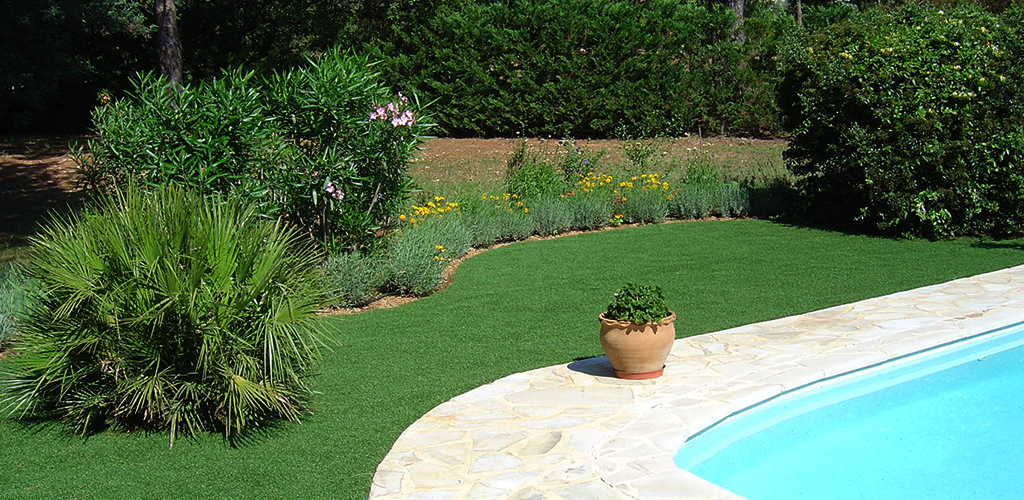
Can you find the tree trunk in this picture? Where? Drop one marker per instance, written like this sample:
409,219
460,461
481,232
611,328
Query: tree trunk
168,42
799,13
738,7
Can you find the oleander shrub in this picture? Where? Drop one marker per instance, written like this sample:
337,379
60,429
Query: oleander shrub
214,137
325,145
907,119
351,139
167,311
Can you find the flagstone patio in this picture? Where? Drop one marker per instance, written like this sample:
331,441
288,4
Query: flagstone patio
574,431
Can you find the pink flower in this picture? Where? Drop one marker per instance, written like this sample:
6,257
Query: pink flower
393,111
404,120
333,191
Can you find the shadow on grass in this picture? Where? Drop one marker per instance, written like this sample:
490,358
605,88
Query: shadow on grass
49,423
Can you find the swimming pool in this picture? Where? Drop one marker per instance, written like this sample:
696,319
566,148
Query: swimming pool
940,424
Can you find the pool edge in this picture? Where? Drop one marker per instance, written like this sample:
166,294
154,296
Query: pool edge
573,431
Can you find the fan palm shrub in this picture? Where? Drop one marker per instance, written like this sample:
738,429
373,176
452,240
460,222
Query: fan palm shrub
166,311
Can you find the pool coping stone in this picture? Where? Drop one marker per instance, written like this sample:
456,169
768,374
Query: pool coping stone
574,431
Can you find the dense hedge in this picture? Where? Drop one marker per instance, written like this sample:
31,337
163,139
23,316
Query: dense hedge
909,119
587,68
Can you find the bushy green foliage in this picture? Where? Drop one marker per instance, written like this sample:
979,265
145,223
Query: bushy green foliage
643,206
351,140
587,68
415,259
215,137
638,304
351,279
696,201
587,212
909,119
550,215
167,311
13,288
325,145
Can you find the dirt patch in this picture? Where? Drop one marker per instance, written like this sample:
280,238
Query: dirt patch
482,161
37,177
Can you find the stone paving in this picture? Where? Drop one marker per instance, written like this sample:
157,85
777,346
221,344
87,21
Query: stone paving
576,432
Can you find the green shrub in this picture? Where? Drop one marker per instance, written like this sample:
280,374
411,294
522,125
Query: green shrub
352,139
325,145
417,255
166,311
908,119
550,216
351,279
697,201
14,286
643,206
586,212
215,137
586,68
529,175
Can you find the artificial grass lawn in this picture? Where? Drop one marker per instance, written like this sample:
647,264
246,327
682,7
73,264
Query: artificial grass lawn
510,309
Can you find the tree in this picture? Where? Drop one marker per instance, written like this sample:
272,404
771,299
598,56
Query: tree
56,55
738,7
168,41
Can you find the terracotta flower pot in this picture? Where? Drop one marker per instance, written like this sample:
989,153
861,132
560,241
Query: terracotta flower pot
637,351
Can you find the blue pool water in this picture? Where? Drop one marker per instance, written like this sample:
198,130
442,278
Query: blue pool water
944,424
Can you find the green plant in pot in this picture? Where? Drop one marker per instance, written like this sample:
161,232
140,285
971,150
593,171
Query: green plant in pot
637,332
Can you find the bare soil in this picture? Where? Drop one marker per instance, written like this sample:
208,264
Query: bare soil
37,177
482,161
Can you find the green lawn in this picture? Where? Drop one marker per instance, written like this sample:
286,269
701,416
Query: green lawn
510,309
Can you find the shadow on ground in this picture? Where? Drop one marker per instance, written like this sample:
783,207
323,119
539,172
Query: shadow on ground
37,180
